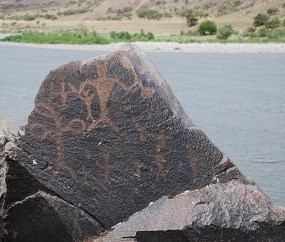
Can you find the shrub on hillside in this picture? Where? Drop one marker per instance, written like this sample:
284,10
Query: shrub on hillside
125,12
207,27
275,33
28,17
50,16
69,12
272,11
195,13
249,32
273,23
262,32
271,33
225,32
260,19
144,12
191,20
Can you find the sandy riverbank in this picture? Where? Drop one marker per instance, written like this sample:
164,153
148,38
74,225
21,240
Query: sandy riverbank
169,47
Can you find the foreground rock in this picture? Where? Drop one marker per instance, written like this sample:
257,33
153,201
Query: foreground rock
109,153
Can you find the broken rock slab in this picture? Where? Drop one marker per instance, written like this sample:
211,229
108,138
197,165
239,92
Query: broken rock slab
108,142
219,212
31,212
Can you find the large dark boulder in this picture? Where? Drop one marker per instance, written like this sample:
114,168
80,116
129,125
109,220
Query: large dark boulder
109,147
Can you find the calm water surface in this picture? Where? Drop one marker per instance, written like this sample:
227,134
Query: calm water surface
237,99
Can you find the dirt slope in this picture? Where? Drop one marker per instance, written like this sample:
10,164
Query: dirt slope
122,14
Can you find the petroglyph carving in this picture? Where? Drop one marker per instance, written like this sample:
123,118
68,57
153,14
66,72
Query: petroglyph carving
106,140
85,176
160,153
106,167
72,126
92,89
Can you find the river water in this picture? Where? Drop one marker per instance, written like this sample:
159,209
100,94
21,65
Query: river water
237,99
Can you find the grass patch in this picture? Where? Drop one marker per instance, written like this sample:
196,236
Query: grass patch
84,36
127,37
59,37
185,39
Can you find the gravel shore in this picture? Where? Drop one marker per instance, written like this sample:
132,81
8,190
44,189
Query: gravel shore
169,47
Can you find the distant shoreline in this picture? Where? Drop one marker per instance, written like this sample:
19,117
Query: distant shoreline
269,48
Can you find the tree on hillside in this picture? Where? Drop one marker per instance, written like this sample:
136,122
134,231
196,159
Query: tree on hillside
260,19
207,27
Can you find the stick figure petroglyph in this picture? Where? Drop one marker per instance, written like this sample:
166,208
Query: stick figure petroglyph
106,167
159,153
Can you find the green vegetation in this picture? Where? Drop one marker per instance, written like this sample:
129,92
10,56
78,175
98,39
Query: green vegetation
249,31
266,35
78,37
125,12
120,35
119,14
262,35
265,30
69,12
272,11
273,23
274,36
144,12
50,16
228,7
225,32
191,20
28,17
59,37
194,12
125,36
207,27
264,20
260,19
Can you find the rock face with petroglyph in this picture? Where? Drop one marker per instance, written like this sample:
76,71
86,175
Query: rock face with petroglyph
106,139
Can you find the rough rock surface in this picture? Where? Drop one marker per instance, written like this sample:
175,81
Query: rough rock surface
218,212
106,139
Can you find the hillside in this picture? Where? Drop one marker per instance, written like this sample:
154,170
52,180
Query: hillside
158,16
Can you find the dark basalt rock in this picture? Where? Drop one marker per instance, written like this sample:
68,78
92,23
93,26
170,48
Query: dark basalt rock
107,137
212,233
44,216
